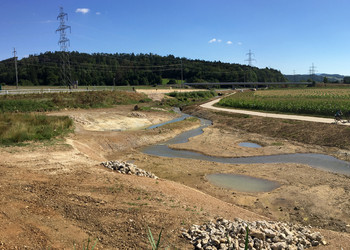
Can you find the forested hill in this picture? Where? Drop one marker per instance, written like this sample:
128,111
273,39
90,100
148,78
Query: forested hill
129,69
333,78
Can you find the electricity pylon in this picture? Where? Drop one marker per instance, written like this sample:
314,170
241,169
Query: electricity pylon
64,44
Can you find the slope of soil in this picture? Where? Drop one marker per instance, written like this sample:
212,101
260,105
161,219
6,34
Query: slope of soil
55,195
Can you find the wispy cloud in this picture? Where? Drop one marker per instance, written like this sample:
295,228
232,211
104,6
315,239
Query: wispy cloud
98,13
216,40
48,21
239,43
82,10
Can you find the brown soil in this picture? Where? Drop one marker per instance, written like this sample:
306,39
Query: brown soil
55,195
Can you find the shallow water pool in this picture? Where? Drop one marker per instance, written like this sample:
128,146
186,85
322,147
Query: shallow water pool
242,183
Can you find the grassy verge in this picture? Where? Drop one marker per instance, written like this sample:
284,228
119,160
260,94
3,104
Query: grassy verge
19,128
180,99
321,134
57,101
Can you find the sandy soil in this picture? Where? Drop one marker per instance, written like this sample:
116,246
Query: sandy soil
55,195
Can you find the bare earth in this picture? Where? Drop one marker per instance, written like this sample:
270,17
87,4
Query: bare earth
55,195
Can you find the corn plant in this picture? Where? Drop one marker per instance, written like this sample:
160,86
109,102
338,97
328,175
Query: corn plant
87,247
155,246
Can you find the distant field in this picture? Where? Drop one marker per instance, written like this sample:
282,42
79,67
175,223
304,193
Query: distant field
309,101
306,93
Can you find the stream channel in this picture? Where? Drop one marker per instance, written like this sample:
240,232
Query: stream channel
319,161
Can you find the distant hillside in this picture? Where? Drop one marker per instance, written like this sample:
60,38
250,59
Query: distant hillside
318,78
129,69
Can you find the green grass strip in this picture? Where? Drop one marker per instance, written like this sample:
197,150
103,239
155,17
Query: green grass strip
22,127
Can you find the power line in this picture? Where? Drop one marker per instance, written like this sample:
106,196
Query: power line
64,44
250,58
182,75
15,57
312,71
104,65
111,68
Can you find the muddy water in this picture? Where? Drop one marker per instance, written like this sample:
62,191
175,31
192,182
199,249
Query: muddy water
320,161
249,145
242,183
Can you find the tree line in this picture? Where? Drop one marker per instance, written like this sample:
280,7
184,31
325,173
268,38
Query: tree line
129,69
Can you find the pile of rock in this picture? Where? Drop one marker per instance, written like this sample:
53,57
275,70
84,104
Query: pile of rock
225,234
127,168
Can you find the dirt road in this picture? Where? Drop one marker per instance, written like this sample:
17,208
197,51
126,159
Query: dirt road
210,105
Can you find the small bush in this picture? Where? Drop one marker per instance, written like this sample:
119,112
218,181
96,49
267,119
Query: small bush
185,98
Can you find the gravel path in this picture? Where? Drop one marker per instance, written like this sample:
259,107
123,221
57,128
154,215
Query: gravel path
209,105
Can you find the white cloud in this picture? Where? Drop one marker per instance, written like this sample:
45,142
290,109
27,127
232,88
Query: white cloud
98,13
229,42
48,21
219,40
82,10
212,40
239,43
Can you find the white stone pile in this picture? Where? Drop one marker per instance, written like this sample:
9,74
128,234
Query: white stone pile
127,168
225,234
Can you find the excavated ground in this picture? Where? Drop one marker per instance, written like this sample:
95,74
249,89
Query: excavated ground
55,195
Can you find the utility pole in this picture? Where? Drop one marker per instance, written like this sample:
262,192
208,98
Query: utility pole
182,75
64,43
15,57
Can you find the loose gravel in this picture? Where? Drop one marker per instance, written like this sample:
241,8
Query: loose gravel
127,168
225,234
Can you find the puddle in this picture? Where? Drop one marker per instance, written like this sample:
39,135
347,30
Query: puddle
242,183
249,145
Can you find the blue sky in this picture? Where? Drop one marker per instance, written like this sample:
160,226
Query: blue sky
288,35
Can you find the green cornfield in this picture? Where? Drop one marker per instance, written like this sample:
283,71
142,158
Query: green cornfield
320,101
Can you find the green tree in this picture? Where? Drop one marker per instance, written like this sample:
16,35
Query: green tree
346,79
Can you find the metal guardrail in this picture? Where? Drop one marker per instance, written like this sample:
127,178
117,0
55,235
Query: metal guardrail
41,91
246,83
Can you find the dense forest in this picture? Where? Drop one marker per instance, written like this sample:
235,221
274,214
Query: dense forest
129,69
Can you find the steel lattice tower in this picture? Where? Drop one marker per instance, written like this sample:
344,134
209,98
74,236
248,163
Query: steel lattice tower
312,71
250,58
64,44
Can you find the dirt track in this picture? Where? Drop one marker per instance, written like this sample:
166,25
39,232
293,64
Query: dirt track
210,105
54,195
